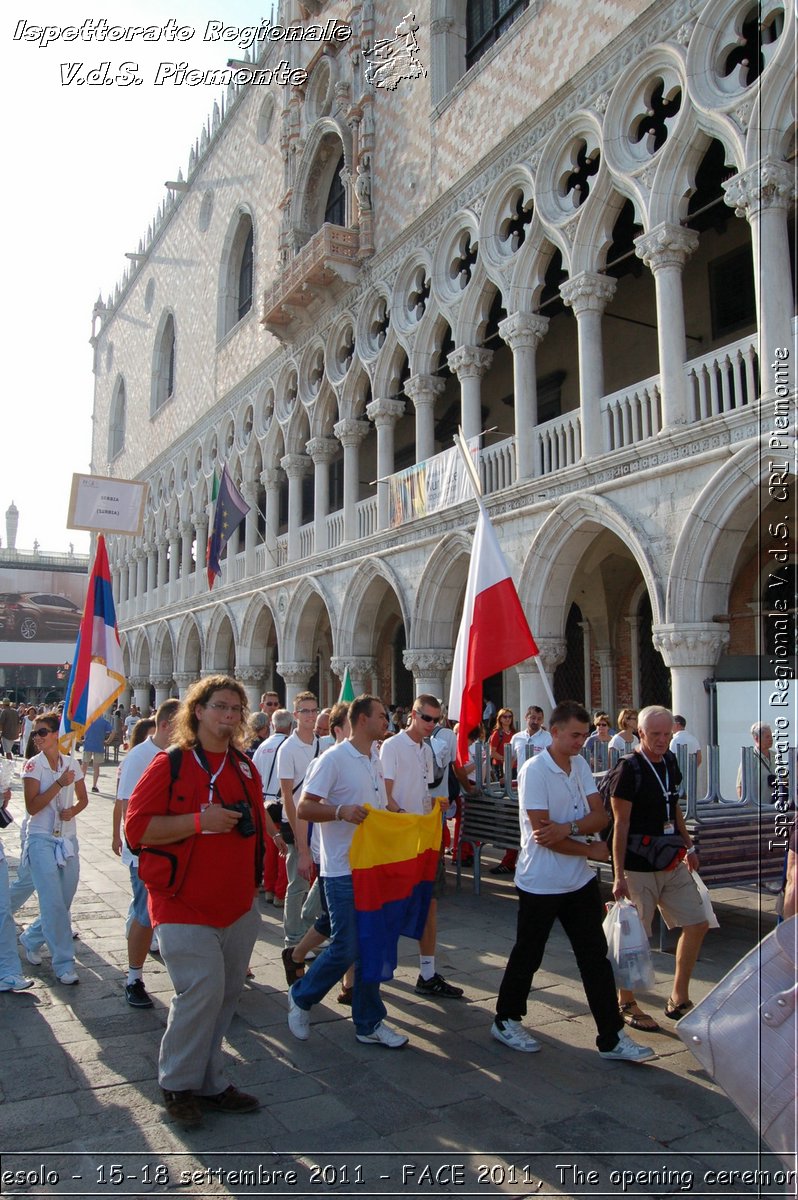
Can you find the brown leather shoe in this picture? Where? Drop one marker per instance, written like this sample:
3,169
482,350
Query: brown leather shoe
345,995
293,969
183,1107
231,1100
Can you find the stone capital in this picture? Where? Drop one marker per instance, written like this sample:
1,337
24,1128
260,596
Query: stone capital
198,519
428,662
187,529
523,331
322,449
470,362
249,674
271,478
350,431
183,678
138,682
385,412
173,534
588,292
552,652
666,245
296,674
160,681
422,389
295,465
249,490
767,184
693,644
358,665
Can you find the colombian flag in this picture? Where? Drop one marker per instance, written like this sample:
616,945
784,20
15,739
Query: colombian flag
394,858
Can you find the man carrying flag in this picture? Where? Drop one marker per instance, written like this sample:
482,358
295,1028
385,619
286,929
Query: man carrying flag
231,508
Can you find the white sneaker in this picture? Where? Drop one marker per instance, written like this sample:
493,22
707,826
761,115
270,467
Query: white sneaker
298,1019
383,1035
33,958
15,983
513,1034
69,977
628,1050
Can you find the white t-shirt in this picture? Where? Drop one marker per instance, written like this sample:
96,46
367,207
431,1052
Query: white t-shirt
134,764
44,822
265,759
617,743
294,757
529,744
344,776
683,738
409,765
544,785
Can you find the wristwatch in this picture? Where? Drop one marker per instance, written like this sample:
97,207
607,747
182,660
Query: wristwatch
574,830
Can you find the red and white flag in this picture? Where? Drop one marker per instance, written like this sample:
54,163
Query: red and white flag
494,633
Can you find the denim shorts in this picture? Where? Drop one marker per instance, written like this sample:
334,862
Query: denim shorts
138,907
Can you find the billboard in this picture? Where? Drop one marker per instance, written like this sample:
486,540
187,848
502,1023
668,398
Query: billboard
40,613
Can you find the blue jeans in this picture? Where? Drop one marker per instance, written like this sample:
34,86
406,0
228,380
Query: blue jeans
327,970
56,887
10,965
138,910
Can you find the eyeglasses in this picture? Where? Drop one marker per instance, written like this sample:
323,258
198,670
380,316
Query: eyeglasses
271,703
507,716
307,712
233,708
42,732
424,717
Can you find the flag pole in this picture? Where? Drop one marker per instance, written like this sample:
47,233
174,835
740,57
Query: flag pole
471,471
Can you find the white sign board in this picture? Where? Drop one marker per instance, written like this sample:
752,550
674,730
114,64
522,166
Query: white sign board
740,704
103,505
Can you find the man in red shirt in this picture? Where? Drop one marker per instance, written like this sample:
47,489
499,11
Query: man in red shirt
201,835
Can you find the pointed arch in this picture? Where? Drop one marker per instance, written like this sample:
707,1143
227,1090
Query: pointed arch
439,594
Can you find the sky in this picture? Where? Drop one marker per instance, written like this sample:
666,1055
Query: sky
86,167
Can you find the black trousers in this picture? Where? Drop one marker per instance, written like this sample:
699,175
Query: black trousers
581,914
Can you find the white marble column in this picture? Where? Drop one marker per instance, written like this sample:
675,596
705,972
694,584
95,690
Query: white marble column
141,579
469,364
691,652
429,669
423,390
141,691
606,662
184,680
350,433
296,466
296,676
763,194
162,686
249,490
174,565
665,250
552,653
271,478
186,540
200,523
384,414
163,570
151,550
588,295
251,679
531,689
523,332
323,451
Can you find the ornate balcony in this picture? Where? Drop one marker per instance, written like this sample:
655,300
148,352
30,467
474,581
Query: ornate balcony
324,265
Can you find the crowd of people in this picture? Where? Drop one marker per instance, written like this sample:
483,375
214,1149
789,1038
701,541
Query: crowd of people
214,806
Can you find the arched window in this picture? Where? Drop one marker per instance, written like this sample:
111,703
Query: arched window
486,21
164,364
116,428
335,209
237,276
245,273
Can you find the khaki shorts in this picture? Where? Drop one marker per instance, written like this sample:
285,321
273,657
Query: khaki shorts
93,758
672,892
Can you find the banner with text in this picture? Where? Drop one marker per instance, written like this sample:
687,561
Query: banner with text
429,486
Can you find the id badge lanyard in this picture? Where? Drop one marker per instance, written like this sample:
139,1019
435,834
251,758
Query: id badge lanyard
211,781
669,825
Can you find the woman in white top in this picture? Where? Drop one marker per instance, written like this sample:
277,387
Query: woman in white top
54,795
626,739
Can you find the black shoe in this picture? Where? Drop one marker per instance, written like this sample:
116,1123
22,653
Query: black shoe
231,1100
136,995
183,1107
502,869
95,789
437,986
293,969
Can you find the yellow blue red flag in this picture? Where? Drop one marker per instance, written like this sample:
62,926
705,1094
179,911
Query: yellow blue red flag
394,858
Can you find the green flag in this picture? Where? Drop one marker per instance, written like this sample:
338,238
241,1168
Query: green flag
347,691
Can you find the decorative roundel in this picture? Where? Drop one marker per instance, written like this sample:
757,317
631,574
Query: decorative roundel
247,425
196,465
341,351
455,260
264,411
643,112
373,323
311,373
570,162
206,210
749,43
265,119
170,484
149,295
109,356
506,218
411,296
319,94
229,438
213,453
286,396
183,474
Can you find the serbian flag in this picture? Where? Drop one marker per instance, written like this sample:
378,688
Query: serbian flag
394,858
494,633
231,508
96,677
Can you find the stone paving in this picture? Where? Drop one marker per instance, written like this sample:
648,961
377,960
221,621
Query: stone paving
454,1113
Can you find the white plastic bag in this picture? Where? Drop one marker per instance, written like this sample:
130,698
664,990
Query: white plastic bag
627,946
703,891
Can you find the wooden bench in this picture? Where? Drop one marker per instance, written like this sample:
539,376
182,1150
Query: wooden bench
489,819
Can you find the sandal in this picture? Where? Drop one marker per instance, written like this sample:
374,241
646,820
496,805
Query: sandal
638,1019
293,969
345,995
677,1011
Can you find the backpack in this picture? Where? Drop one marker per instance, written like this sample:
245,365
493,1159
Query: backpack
438,771
606,785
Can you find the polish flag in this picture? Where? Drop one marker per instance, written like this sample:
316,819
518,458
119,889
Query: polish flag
494,633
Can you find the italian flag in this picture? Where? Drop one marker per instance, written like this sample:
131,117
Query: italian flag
494,633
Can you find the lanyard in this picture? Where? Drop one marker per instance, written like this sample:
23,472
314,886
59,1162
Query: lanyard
213,778
665,787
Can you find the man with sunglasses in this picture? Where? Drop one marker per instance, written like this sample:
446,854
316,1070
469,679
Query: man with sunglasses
269,703
408,767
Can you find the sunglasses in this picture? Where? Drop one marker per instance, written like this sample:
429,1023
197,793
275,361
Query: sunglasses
42,732
271,703
424,717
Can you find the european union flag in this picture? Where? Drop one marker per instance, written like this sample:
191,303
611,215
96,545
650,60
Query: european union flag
231,508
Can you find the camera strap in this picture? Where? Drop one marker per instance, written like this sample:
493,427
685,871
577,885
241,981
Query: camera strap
199,755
